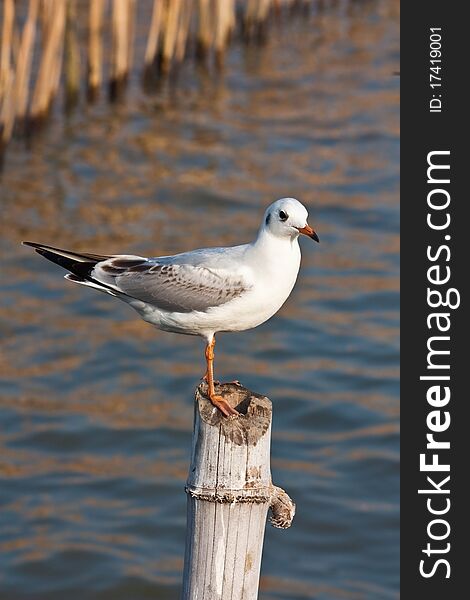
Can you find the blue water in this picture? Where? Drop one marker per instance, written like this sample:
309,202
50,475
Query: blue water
96,405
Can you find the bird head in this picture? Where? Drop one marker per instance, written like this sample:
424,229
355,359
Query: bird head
287,218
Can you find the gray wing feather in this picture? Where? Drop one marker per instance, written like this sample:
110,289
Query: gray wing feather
174,287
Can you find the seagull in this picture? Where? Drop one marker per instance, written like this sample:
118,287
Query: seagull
204,291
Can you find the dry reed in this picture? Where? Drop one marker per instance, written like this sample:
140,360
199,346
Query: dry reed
183,31
153,40
6,71
20,91
51,61
224,24
255,18
95,49
173,27
7,75
120,48
131,33
172,16
205,28
72,56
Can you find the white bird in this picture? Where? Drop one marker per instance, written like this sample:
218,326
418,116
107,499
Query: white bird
203,291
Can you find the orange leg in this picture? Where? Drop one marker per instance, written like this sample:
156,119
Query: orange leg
217,401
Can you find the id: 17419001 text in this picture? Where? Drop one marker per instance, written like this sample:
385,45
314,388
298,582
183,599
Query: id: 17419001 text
435,67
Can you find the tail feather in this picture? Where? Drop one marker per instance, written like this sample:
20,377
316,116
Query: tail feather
89,282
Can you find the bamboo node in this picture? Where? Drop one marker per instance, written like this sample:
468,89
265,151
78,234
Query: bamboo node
232,497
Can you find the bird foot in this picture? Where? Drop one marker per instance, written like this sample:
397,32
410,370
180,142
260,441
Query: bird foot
224,406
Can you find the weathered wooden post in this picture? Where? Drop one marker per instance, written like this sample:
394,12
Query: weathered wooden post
229,491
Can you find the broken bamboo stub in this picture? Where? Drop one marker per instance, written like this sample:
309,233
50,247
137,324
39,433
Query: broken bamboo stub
230,491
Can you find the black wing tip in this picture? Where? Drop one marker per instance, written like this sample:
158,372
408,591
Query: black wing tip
70,254
40,249
79,268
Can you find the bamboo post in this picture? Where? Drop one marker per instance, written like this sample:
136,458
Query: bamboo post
229,491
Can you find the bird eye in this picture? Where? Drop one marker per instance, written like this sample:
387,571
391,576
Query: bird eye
283,215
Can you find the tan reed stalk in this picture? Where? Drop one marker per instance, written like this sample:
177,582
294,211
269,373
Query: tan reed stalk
249,17
6,76
120,48
60,13
204,33
15,45
151,49
219,31
46,16
6,71
231,20
49,69
163,30
277,8
95,48
130,33
72,56
263,10
255,18
171,31
183,31
224,19
23,63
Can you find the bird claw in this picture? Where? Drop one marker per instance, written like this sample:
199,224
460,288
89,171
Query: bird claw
224,407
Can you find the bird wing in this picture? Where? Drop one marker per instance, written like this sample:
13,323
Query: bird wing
171,287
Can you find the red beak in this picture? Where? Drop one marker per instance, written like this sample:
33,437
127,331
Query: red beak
307,230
